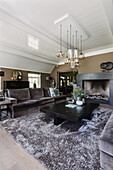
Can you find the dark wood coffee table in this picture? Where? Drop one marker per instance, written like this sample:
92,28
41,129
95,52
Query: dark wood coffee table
61,113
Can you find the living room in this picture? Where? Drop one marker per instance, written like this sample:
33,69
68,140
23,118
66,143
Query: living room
56,85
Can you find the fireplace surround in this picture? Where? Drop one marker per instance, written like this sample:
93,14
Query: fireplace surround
99,86
97,89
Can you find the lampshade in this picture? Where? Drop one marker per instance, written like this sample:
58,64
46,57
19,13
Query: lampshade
66,60
60,54
72,64
81,56
77,64
76,60
75,53
70,53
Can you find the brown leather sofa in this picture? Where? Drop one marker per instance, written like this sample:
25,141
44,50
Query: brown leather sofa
57,99
29,100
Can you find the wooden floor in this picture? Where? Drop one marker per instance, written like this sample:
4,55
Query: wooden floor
14,157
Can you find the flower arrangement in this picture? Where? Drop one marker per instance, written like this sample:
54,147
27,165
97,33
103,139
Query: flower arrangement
79,92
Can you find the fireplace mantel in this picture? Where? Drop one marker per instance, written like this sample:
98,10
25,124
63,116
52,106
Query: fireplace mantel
98,76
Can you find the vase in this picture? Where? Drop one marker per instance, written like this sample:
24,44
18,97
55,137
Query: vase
74,97
83,99
78,98
79,103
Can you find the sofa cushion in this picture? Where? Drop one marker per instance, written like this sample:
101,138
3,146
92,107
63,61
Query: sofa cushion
60,97
25,104
45,100
46,92
36,93
52,92
106,138
19,94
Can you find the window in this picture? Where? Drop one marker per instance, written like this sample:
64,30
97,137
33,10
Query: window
34,80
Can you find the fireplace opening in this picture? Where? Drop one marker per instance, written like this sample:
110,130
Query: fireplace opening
97,89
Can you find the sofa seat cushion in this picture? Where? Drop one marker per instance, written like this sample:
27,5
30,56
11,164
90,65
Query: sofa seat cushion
25,104
45,100
106,138
36,93
19,94
60,97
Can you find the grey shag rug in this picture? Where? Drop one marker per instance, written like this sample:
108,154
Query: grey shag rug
69,146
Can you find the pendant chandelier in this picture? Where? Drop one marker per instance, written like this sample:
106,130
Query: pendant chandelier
73,55
67,60
60,54
81,56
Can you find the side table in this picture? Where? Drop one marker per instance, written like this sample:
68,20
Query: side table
4,103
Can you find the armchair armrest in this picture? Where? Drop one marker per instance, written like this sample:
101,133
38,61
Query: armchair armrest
13,100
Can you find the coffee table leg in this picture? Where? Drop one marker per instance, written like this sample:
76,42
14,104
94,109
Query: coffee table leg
58,120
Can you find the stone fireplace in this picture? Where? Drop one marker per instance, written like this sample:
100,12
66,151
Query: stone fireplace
99,86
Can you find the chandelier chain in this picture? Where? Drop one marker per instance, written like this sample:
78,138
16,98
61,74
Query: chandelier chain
70,36
76,38
67,39
81,43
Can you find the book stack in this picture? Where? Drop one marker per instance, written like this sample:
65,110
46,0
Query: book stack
71,105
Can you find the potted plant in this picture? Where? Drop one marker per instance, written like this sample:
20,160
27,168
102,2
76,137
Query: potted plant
74,74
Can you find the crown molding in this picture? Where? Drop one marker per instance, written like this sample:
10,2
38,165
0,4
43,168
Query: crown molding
31,70
99,51
12,49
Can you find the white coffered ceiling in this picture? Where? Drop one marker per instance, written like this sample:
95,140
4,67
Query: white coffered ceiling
18,18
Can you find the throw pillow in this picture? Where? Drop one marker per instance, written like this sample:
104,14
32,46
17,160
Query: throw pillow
51,92
54,92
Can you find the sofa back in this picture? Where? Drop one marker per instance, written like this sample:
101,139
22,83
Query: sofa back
36,93
26,93
19,94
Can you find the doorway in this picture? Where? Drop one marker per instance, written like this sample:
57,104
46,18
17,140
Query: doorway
65,83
